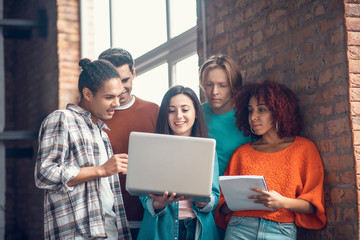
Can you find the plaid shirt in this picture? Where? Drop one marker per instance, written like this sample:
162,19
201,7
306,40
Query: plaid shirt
67,143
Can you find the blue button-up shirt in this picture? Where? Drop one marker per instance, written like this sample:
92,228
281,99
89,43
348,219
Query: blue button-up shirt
164,224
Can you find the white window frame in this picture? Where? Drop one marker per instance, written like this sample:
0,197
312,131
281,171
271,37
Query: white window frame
172,51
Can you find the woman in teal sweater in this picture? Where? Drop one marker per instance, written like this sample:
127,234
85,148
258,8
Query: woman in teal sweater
170,216
220,78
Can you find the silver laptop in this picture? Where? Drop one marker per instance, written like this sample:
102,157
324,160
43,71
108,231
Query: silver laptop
160,162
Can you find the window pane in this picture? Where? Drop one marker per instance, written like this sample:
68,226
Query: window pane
182,16
138,25
152,85
187,73
102,26
95,27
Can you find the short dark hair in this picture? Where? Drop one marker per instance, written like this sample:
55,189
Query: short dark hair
95,73
281,101
118,57
162,125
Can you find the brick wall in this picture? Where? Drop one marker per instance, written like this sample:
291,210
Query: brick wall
40,76
31,76
301,43
352,25
31,68
68,24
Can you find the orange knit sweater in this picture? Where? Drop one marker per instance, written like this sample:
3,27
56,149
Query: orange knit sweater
295,172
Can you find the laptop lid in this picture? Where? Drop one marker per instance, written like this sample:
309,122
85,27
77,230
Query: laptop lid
161,162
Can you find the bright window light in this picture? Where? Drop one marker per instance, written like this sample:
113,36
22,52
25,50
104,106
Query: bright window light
101,27
187,73
138,25
152,85
182,16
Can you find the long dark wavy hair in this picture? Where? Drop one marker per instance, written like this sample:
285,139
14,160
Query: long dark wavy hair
162,125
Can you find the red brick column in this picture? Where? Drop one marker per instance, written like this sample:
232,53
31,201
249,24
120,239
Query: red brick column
68,24
352,20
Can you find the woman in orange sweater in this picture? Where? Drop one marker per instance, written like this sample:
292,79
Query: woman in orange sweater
290,164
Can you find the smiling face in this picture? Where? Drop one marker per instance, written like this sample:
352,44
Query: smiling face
126,77
181,115
102,104
260,117
218,91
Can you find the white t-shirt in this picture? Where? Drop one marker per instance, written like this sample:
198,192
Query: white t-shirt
106,195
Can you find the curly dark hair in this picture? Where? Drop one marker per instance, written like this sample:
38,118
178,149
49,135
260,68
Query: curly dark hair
280,100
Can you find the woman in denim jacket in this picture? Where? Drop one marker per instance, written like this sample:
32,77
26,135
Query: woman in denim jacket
170,216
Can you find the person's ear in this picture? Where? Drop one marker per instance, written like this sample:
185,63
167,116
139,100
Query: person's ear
88,95
134,73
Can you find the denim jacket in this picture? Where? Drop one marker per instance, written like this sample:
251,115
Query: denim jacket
164,224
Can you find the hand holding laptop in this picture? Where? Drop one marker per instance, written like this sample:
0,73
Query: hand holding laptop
164,200
161,201
201,204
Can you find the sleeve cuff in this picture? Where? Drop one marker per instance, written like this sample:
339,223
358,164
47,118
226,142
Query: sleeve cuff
68,174
152,211
209,207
